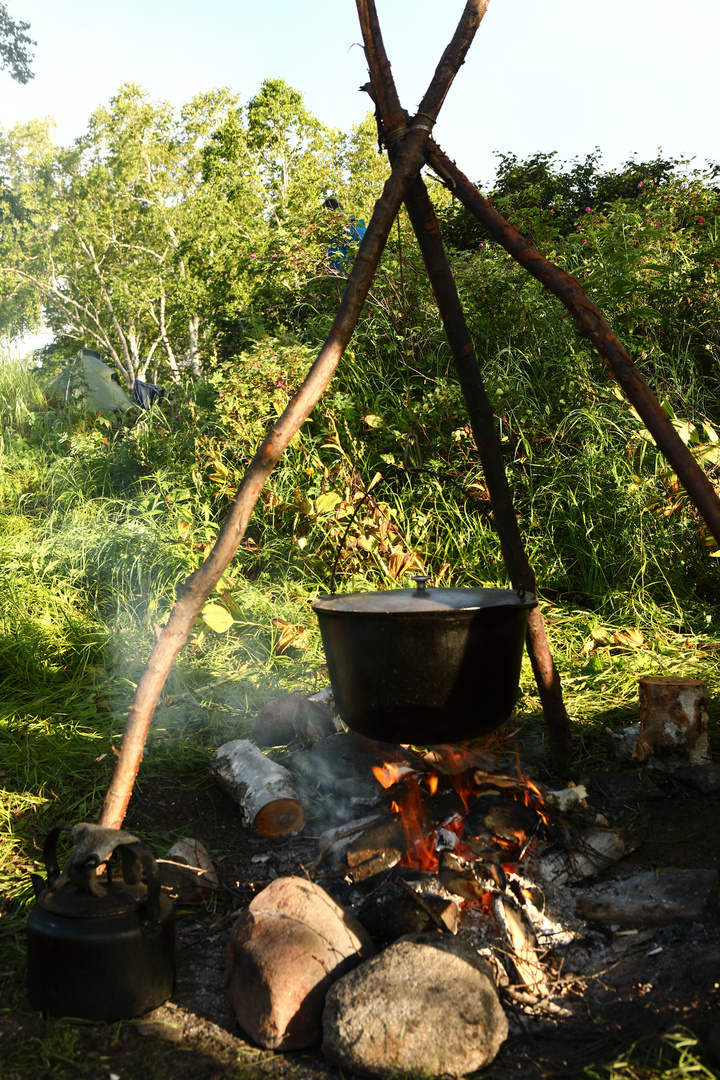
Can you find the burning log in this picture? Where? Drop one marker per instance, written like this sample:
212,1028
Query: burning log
397,908
673,719
470,881
386,835
523,955
262,788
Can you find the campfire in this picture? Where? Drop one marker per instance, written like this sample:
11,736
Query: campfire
444,849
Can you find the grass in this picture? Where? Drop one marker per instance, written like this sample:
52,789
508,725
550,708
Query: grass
677,1056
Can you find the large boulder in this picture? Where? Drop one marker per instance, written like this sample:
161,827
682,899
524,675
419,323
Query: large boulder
426,1004
285,950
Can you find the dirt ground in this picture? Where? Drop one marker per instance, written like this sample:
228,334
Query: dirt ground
643,985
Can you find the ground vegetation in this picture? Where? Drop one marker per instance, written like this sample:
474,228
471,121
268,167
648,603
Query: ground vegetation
194,251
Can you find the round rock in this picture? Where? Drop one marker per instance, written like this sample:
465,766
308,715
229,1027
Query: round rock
425,1004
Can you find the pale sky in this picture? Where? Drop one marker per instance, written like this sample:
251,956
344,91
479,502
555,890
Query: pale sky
629,76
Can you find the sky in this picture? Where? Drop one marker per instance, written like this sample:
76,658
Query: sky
627,76
631,77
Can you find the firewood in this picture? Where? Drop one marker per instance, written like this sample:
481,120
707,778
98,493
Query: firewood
293,716
522,958
263,789
673,719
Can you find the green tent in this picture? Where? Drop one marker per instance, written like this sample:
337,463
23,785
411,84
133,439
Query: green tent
86,379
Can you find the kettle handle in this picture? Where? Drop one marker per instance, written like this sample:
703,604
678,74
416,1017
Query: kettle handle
137,857
50,859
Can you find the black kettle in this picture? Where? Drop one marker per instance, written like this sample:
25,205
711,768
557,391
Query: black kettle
100,947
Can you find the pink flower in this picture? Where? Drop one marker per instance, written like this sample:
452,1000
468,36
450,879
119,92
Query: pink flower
584,241
588,210
701,220
253,256
279,382
641,184
552,211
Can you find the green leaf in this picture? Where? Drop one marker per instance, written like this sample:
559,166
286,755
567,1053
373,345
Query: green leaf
218,618
325,504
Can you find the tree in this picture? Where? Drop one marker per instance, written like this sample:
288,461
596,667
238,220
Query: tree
15,55
155,236
103,227
267,169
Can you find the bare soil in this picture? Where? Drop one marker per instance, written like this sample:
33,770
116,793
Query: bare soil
641,986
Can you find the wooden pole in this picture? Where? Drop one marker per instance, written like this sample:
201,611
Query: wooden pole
170,639
427,229
392,118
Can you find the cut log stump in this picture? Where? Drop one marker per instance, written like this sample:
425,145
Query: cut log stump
263,789
307,719
673,719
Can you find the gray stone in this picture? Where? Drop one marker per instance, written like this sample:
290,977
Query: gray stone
188,869
663,899
427,1004
619,790
285,950
706,778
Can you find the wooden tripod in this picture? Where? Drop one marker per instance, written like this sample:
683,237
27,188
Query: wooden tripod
410,147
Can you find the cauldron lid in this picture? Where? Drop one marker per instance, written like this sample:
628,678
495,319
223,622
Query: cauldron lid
426,600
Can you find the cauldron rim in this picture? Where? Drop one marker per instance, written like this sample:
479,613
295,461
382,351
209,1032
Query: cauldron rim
432,601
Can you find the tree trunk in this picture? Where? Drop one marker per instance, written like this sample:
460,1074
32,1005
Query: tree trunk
194,351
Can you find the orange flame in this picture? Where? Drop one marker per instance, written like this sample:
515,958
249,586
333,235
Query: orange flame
388,774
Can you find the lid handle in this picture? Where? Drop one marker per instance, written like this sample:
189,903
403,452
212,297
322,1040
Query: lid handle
421,581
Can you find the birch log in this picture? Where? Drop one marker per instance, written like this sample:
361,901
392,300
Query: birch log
262,788
673,719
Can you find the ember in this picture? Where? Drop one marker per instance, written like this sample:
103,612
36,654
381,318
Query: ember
482,816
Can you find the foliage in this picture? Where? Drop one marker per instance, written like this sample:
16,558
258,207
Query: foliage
152,231
15,54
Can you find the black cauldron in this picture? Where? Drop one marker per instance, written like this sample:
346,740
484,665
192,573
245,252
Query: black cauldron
424,665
